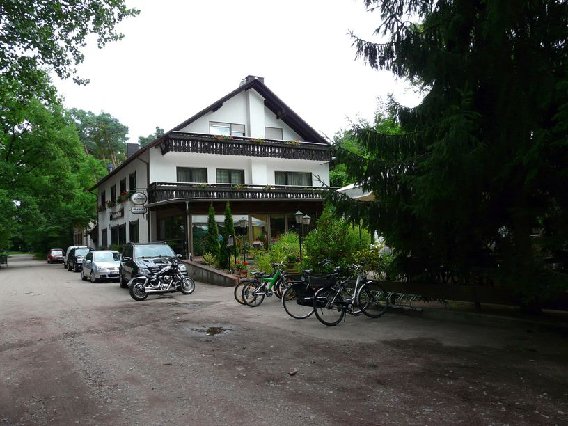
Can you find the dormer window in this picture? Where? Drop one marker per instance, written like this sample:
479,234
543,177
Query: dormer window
226,129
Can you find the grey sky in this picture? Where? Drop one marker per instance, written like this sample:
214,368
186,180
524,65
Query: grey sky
178,56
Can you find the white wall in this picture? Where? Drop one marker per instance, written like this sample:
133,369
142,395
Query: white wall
244,108
104,221
257,170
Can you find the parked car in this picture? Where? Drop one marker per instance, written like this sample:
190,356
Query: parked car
75,258
101,265
66,255
55,255
144,258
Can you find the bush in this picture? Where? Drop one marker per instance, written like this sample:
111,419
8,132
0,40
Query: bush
334,240
378,258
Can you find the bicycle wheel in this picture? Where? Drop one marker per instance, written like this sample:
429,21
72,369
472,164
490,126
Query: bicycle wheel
328,306
253,294
372,300
238,292
280,287
296,303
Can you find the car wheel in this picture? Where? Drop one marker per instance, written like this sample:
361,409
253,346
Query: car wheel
92,277
83,277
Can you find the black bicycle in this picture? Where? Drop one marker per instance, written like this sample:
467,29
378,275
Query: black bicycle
352,297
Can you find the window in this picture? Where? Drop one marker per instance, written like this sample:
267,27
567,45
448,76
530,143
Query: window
104,243
132,182
274,133
226,129
134,231
122,186
191,174
230,176
103,198
113,193
293,178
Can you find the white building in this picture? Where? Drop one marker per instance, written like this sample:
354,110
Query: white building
248,148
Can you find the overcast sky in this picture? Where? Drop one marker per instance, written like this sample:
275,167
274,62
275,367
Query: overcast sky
179,56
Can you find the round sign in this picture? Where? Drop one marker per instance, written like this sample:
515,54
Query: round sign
138,209
138,198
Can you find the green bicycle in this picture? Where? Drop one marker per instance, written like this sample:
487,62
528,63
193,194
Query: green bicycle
256,289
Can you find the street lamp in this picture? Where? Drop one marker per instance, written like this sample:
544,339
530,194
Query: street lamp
302,219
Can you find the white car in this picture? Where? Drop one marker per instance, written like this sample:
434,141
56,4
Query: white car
66,255
101,265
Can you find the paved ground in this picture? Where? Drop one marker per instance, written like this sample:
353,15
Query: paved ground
76,352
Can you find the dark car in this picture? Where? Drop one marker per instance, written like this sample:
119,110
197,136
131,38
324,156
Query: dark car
144,259
55,255
75,258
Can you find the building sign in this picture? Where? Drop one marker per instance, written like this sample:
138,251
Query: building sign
138,198
138,209
117,215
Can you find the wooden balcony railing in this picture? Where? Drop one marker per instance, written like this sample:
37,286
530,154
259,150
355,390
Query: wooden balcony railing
164,191
234,145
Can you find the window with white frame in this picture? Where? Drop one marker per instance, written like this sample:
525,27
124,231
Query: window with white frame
275,133
293,178
233,176
191,174
226,129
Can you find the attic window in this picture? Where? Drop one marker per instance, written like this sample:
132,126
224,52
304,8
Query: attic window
226,129
274,133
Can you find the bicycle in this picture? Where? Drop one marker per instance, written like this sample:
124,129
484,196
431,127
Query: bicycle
332,303
256,289
298,299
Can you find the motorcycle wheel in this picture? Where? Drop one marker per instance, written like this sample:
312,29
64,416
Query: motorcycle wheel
187,285
136,289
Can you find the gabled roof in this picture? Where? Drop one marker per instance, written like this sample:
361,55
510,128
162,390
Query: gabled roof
272,102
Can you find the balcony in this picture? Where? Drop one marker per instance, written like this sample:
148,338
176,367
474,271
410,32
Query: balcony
163,191
234,145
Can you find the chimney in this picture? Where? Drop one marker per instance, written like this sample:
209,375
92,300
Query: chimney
131,148
250,78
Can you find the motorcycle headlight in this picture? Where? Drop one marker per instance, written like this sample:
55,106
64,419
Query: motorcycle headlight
182,267
144,271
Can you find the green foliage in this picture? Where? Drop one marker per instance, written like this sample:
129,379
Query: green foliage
103,136
480,162
281,251
145,140
211,244
226,253
334,239
209,259
49,35
44,171
378,259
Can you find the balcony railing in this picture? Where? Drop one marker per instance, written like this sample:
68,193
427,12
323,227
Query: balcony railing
234,145
164,191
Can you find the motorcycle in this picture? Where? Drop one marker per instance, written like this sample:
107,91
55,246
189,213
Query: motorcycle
166,280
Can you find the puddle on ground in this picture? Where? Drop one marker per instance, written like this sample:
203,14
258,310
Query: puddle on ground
210,331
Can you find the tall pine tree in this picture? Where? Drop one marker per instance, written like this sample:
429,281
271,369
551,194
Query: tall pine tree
481,162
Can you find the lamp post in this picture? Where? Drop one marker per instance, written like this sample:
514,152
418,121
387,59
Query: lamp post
302,219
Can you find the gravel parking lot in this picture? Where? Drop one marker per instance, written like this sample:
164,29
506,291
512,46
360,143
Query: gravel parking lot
75,352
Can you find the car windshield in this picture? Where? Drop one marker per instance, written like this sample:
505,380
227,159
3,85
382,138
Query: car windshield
56,252
106,256
81,251
158,250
